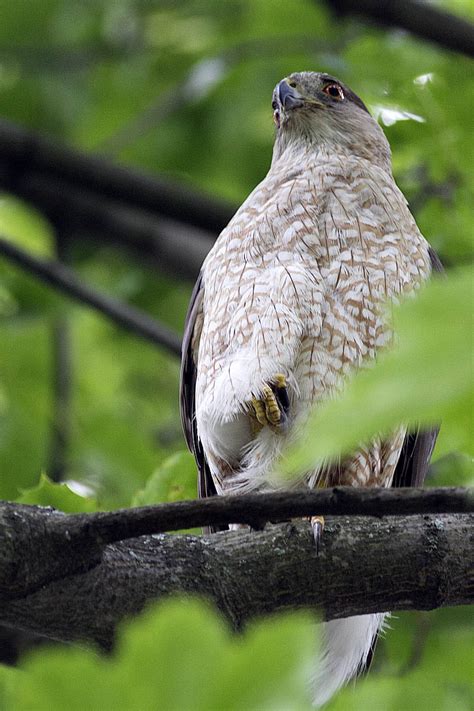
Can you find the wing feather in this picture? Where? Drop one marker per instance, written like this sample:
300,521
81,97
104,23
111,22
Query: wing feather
192,333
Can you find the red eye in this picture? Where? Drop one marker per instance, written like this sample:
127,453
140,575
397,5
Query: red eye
334,91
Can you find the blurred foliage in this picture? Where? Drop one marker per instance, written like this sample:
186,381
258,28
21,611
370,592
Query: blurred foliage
172,481
184,89
178,656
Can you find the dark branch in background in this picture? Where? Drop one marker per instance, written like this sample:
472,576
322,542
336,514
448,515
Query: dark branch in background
64,279
83,213
67,589
172,246
422,19
25,155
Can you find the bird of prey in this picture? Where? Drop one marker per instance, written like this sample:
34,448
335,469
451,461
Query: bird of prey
293,298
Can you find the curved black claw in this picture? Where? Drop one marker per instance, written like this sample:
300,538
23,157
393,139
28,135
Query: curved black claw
281,395
317,524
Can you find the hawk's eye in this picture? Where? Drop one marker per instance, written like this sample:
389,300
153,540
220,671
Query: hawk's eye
334,91
292,84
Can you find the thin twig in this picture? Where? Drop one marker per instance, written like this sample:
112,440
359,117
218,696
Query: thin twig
66,281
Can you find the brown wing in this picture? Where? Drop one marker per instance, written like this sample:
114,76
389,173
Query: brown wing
418,446
188,389
192,332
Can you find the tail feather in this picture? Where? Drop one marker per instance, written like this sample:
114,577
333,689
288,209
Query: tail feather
346,647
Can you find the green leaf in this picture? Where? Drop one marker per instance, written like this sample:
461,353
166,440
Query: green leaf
9,679
25,226
426,379
178,656
174,480
435,681
60,496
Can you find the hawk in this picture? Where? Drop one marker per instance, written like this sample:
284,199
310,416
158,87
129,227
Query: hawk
293,298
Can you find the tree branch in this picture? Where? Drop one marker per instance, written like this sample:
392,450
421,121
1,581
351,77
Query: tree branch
25,156
64,279
257,509
420,18
67,590
86,532
85,217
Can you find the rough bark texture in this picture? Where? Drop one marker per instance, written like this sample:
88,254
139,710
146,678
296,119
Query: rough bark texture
68,587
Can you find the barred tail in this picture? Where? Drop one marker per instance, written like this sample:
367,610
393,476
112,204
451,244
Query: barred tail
346,646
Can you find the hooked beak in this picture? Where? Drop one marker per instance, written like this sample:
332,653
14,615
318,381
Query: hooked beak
288,96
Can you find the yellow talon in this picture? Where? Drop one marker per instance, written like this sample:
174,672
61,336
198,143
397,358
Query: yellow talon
280,380
259,411
268,408
272,409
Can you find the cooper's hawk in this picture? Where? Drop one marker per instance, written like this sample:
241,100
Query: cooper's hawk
290,300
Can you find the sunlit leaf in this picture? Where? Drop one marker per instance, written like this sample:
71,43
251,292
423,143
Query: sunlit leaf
59,496
175,479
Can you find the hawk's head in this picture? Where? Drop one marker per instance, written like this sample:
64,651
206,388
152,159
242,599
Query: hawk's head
314,110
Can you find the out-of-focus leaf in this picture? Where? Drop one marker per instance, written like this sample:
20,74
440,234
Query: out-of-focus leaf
9,678
20,293
174,480
178,656
436,681
25,405
26,226
452,469
427,378
59,496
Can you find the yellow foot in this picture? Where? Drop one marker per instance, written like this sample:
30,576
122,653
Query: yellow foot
272,407
317,524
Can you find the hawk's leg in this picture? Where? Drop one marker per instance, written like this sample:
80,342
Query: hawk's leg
272,407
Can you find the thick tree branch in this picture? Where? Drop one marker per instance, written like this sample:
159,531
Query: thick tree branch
89,532
61,277
73,590
420,18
